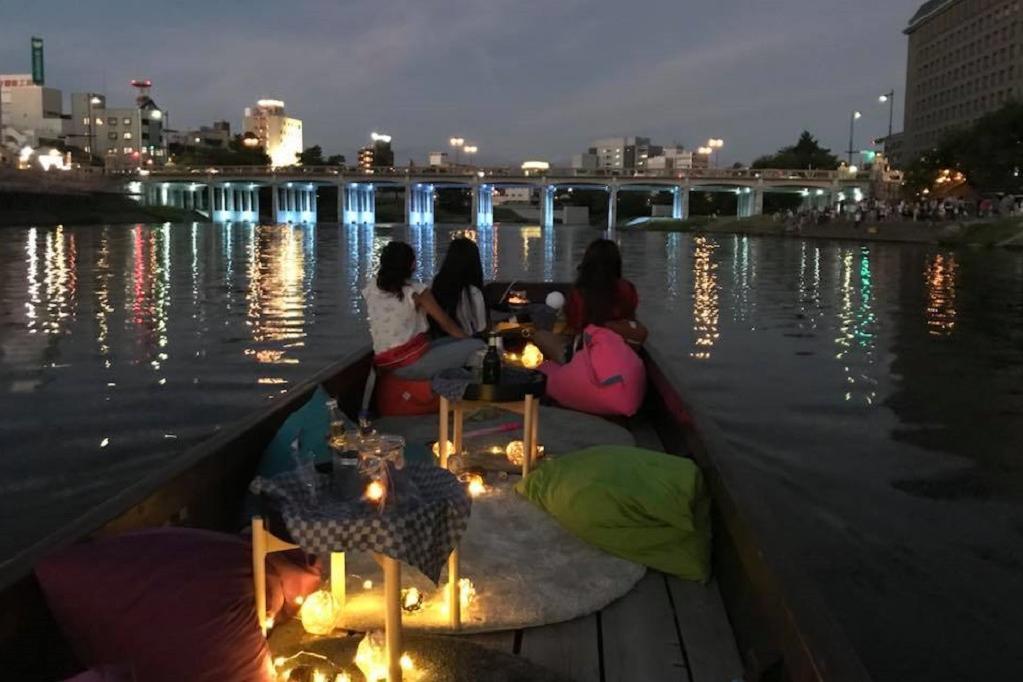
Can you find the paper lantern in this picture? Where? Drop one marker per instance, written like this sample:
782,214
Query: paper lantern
555,300
411,600
371,656
436,449
515,452
531,356
320,613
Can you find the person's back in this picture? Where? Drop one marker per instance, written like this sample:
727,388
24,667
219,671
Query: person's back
458,288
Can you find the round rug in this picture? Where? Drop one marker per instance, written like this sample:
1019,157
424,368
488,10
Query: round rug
525,568
438,659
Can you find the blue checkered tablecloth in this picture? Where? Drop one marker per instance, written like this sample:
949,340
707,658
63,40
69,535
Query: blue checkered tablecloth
420,530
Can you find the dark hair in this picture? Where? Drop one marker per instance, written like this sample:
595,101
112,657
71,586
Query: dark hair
460,270
397,263
598,279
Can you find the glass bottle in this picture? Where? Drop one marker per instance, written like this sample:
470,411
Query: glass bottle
491,373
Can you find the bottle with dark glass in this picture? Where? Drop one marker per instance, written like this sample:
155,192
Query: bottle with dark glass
345,459
491,373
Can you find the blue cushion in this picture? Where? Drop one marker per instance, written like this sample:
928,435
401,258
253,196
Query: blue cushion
313,422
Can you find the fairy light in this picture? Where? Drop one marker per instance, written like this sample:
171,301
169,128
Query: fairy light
367,584
515,452
531,356
375,491
466,592
320,613
406,663
411,600
450,449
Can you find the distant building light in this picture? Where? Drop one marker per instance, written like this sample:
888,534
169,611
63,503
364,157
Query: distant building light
156,114
535,165
270,103
380,137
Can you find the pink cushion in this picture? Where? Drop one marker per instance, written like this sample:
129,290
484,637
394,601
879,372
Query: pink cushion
171,604
605,377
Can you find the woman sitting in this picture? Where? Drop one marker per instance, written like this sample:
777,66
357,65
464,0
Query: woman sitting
399,312
601,297
458,288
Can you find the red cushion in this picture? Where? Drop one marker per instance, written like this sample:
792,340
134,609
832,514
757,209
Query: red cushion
397,397
171,604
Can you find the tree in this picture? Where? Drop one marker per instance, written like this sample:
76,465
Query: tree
236,154
805,154
336,160
312,156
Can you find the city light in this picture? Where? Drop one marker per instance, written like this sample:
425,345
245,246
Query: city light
704,151
857,115
470,149
95,100
883,99
379,137
156,114
456,141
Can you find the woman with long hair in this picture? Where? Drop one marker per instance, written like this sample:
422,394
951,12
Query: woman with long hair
601,297
458,288
400,312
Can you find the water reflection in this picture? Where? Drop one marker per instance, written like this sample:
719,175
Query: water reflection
705,298
857,324
940,279
278,292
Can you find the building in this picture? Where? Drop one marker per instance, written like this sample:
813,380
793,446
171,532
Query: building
279,135
30,113
128,136
674,157
439,159
217,136
512,195
378,154
965,60
585,162
620,153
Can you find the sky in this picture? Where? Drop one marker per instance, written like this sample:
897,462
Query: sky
521,79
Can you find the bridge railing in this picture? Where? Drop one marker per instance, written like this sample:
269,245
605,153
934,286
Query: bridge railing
463,172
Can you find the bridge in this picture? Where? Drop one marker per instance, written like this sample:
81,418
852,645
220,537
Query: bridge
232,193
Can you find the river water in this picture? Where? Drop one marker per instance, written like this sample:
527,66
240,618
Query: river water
876,390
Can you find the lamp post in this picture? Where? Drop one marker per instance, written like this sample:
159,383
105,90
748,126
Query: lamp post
852,129
705,151
889,97
470,149
93,100
457,143
716,144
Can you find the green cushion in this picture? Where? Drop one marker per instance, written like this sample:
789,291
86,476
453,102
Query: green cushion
641,505
313,422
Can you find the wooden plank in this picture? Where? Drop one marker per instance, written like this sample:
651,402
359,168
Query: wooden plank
569,649
640,639
706,633
501,641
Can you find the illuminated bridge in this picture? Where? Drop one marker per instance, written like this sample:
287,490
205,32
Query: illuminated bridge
232,193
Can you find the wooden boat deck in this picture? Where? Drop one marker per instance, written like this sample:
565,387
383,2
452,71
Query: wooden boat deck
665,629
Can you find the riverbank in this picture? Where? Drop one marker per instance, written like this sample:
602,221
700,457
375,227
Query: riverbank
19,208
1005,232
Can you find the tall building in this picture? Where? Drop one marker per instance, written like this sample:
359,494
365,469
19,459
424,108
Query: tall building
616,153
377,155
965,60
121,136
279,135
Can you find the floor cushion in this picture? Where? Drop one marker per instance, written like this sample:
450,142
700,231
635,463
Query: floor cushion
313,423
170,604
646,506
395,396
604,377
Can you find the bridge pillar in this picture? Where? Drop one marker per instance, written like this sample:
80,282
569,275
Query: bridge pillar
757,202
483,205
679,199
547,205
361,209
612,207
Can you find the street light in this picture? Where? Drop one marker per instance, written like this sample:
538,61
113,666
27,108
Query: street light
716,144
888,97
93,101
470,149
852,128
457,143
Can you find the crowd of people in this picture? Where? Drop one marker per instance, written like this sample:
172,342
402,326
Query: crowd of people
926,210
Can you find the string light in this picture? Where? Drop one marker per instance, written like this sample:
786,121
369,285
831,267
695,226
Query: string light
450,448
375,491
531,356
411,600
320,613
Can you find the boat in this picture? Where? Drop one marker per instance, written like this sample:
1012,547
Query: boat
760,619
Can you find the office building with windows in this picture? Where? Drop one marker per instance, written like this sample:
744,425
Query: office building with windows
616,153
30,113
278,134
965,60
122,136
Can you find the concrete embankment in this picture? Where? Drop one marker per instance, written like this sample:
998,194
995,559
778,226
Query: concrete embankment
1007,232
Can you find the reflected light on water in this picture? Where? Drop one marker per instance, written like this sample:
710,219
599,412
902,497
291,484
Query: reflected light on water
940,280
706,308
857,326
276,296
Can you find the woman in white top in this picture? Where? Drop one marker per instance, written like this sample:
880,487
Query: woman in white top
399,314
458,288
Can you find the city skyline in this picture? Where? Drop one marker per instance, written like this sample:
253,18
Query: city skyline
543,87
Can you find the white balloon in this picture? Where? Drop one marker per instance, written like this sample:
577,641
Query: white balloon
555,300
